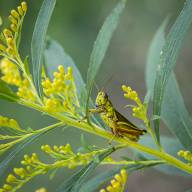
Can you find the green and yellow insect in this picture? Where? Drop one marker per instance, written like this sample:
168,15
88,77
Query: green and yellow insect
119,125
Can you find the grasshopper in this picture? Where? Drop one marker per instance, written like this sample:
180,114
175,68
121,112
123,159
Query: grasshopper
119,125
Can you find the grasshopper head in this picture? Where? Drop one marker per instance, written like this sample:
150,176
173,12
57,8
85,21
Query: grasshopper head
101,99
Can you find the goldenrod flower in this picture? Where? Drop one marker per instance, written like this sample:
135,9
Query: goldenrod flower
12,76
11,178
60,93
187,155
117,183
11,123
140,110
10,72
11,35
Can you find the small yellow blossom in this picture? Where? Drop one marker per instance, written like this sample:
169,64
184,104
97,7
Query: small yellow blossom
11,178
11,123
11,35
12,76
10,72
117,183
60,93
25,91
59,83
52,105
187,155
140,110
7,187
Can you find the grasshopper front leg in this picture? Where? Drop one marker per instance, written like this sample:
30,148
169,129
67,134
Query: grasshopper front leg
96,110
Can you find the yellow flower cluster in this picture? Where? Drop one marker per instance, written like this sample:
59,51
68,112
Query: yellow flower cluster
9,46
12,76
71,159
6,122
187,155
117,183
16,180
60,94
64,156
140,110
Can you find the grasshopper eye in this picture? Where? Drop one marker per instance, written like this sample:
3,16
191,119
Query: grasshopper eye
96,105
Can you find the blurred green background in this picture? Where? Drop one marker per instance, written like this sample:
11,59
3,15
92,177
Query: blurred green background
75,25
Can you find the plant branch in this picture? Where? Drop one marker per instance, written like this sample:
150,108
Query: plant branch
96,130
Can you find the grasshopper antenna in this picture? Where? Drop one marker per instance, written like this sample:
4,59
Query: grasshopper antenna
107,82
97,87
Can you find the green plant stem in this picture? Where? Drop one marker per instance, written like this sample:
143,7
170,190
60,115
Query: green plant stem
147,162
151,132
94,129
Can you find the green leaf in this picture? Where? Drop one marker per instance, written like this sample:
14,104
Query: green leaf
38,40
171,146
174,112
100,46
168,58
4,163
14,152
97,182
75,182
6,93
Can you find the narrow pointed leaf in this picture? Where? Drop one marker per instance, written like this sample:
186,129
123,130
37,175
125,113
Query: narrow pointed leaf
13,154
6,93
38,40
168,58
74,183
100,46
100,180
17,149
174,112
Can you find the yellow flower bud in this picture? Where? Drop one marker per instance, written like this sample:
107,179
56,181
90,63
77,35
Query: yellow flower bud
7,33
56,148
61,69
20,10
13,27
34,157
46,148
118,178
110,189
116,186
12,19
10,42
7,187
15,14
11,178
123,175
24,6
20,172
